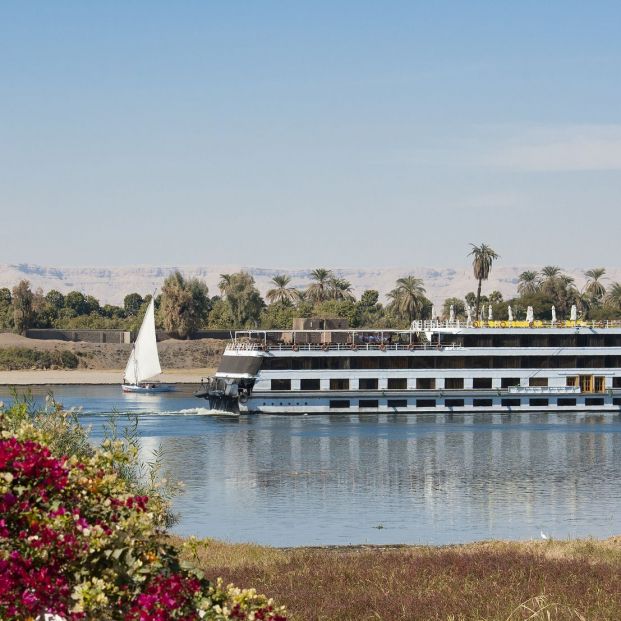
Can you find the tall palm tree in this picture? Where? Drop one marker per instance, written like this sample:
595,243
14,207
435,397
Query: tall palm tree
319,290
408,297
528,283
281,293
613,297
225,283
340,289
483,257
594,286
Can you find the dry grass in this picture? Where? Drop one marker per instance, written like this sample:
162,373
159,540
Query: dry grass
490,581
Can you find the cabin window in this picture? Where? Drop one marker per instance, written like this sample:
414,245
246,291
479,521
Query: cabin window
398,383
454,383
281,384
566,401
507,382
538,402
425,403
339,403
454,403
600,384
616,401
586,383
537,381
339,384
367,383
616,382
572,380
425,383
511,403
507,362
368,403
309,384
482,403
482,382
397,403
594,401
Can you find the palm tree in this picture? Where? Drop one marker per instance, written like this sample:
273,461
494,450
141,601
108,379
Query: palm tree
484,256
340,289
282,293
613,297
593,286
408,297
319,290
528,283
225,283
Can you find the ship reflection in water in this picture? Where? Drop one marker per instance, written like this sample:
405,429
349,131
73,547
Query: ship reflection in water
388,478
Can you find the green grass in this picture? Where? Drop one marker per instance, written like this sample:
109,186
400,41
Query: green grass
15,358
495,581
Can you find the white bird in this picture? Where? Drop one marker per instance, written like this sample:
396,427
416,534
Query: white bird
543,535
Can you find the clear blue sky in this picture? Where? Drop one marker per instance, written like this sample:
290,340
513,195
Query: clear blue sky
299,134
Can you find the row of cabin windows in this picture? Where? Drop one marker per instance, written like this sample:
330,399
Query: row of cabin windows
532,340
457,403
586,383
302,363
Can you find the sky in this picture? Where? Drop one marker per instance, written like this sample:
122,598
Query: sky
304,134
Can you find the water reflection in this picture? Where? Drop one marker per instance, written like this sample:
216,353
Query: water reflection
423,478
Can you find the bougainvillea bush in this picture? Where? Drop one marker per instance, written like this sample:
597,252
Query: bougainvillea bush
78,542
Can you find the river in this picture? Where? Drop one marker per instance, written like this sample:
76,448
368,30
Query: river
377,479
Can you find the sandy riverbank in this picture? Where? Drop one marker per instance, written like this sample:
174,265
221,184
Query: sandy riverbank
95,376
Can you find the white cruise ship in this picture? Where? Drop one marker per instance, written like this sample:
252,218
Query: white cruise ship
492,366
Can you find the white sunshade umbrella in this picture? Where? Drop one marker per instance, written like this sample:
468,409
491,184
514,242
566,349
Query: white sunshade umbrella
469,314
433,312
553,314
530,316
510,313
451,314
482,312
574,312
490,315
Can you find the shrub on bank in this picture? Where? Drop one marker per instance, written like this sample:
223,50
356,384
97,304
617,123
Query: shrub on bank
77,541
16,358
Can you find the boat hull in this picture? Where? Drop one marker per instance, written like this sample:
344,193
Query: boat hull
147,389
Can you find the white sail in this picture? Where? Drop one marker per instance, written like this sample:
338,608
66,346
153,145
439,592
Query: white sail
144,362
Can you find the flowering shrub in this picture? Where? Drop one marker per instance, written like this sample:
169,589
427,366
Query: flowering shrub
76,542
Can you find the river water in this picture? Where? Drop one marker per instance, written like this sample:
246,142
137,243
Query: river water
396,478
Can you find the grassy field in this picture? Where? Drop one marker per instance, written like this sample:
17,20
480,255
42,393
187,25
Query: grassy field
499,581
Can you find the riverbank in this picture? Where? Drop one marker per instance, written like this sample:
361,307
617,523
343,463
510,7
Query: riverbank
46,377
25,354
488,581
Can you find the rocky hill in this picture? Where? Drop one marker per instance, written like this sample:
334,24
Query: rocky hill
111,284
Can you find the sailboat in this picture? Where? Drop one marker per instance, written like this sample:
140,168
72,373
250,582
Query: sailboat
144,362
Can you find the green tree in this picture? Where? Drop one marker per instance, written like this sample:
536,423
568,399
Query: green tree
55,299
278,316
76,301
407,299
244,300
369,312
92,305
495,297
184,305
6,309
220,317
339,289
528,282
23,313
132,303
594,287
483,257
282,293
459,308
613,296
319,290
